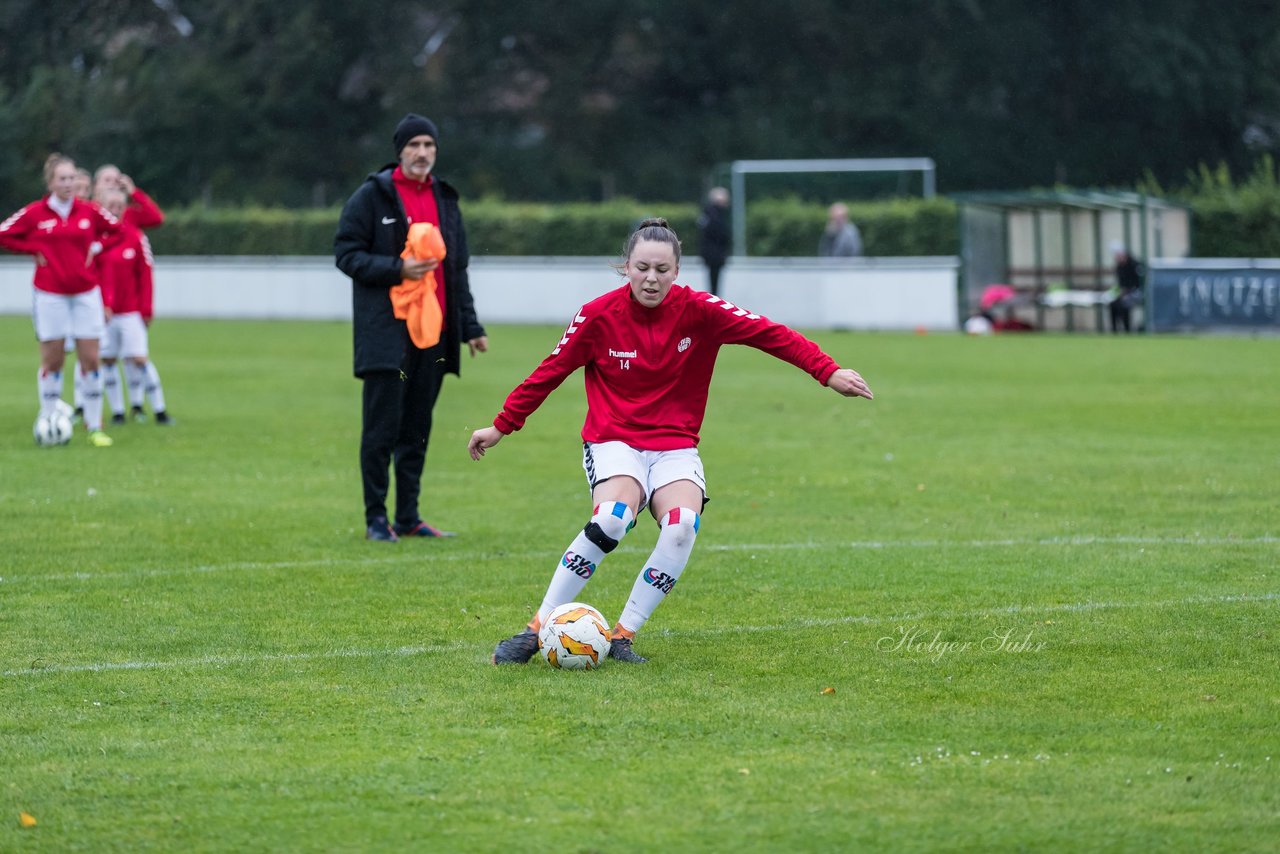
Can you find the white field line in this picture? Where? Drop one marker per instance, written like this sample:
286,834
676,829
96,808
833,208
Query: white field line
1081,540
38,667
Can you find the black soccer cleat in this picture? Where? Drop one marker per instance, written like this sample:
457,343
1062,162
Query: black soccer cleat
117,418
620,650
517,649
379,531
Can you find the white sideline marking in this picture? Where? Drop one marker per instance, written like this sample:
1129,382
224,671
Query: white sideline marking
245,658
1081,540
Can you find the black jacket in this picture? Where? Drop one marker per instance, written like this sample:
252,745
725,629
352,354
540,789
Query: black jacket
713,235
371,235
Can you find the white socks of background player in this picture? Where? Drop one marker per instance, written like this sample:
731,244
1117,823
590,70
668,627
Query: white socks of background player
91,385
155,393
660,573
111,388
609,523
135,376
49,383
144,379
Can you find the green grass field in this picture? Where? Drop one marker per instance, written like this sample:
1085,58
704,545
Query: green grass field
1037,574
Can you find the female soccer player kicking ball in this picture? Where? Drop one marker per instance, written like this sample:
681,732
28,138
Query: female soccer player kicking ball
648,349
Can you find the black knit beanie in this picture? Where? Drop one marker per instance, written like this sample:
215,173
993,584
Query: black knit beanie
413,125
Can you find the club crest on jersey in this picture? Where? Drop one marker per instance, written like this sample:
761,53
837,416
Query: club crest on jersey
84,223
130,254
683,345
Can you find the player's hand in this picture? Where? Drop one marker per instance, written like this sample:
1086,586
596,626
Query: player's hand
126,184
107,314
478,345
41,260
416,268
850,384
482,440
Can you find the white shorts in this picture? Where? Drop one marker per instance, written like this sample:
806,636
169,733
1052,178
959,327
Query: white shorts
59,316
126,337
651,469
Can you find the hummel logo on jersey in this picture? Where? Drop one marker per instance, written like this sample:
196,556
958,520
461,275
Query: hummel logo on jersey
578,319
387,220
622,354
684,344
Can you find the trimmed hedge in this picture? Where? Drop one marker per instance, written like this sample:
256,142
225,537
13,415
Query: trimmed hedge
496,227
1241,222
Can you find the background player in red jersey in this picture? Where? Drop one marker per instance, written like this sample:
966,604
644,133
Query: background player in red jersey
126,276
59,230
648,350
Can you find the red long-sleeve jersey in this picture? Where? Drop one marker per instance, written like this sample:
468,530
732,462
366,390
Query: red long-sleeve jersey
126,272
648,370
64,243
142,211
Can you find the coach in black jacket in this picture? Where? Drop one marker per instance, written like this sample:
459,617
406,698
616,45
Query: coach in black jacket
402,381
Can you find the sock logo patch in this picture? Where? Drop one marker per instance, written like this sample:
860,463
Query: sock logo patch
660,580
578,565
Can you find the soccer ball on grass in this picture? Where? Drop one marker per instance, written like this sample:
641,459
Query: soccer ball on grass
52,429
575,636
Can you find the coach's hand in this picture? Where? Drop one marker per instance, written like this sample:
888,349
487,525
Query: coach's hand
850,383
478,345
483,439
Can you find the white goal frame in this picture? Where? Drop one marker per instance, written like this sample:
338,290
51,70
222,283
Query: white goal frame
739,169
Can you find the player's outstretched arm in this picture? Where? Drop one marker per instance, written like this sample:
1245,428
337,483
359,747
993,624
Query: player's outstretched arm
482,440
850,383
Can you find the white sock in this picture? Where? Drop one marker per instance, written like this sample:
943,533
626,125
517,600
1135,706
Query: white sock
155,393
49,384
111,387
609,523
77,386
135,376
93,400
659,576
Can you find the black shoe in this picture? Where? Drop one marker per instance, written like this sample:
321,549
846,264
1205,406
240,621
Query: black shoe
379,530
162,417
138,416
418,529
517,649
117,418
620,650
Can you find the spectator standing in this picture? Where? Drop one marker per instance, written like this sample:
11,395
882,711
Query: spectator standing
713,235
401,380
841,238
1128,287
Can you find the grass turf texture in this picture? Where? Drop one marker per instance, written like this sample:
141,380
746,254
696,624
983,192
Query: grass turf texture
1038,572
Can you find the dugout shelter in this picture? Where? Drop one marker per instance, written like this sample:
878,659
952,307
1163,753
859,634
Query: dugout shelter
1053,247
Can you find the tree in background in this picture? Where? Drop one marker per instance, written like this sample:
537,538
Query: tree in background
286,102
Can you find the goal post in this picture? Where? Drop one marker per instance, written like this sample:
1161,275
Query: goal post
739,169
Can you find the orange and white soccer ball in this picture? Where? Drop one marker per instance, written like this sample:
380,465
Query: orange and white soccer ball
575,636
